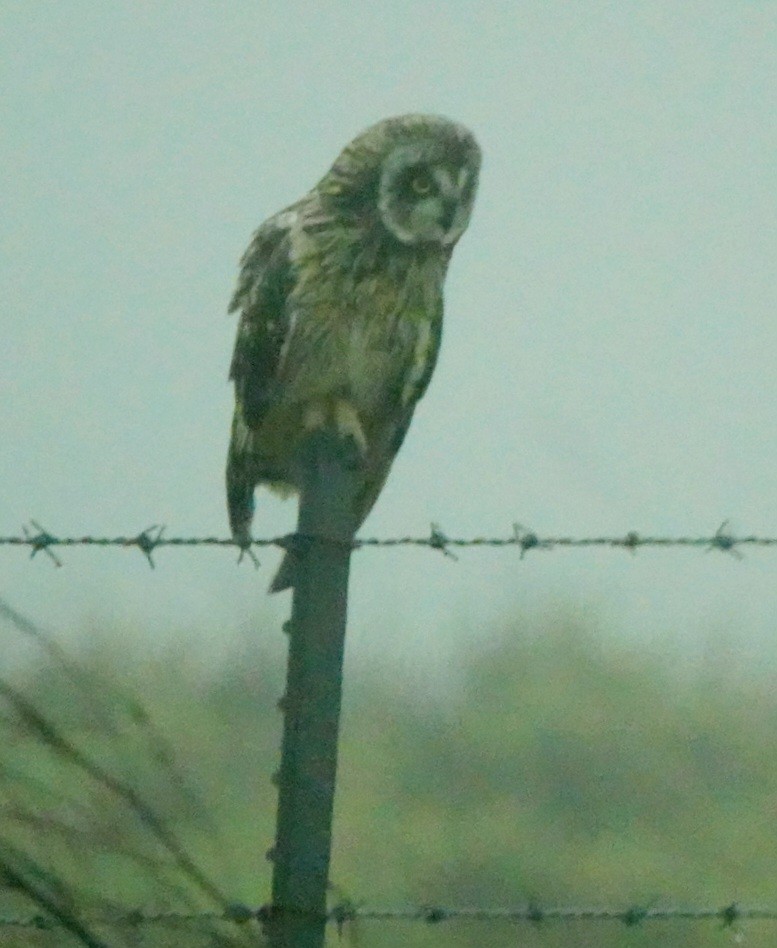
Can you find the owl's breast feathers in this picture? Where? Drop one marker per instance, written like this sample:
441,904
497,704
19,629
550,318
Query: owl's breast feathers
326,318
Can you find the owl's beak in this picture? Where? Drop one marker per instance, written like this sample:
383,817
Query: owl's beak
448,215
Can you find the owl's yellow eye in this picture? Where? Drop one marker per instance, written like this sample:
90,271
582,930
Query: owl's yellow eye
422,183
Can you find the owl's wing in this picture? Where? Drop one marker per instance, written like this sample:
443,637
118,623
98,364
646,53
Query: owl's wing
393,435
265,282
420,375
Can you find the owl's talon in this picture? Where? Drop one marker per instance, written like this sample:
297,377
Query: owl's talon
349,426
247,551
345,419
244,545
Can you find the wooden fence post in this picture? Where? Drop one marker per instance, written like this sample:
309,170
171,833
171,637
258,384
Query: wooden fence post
330,476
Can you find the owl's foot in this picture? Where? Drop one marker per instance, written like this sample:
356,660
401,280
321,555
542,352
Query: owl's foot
240,505
247,551
243,541
348,424
343,416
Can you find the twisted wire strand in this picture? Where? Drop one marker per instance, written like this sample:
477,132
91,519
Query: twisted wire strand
37,539
345,912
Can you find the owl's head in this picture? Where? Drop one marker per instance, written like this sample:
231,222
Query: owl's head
414,175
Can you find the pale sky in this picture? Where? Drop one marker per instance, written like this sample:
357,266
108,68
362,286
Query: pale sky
608,359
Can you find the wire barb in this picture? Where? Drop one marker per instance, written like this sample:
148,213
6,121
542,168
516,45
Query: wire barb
634,916
631,541
439,541
724,541
345,911
42,540
239,913
527,539
729,915
146,542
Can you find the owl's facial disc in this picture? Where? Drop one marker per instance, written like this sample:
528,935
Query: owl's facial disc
423,199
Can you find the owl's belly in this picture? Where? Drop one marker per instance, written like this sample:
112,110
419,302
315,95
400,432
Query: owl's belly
370,380
376,367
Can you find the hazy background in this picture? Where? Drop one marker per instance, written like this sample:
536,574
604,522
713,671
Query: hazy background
608,365
623,785
610,337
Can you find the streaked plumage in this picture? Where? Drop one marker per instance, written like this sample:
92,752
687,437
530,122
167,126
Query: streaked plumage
340,302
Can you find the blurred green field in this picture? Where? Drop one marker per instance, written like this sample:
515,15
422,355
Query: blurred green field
560,769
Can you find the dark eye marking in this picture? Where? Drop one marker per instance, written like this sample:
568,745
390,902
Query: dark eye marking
423,183
416,181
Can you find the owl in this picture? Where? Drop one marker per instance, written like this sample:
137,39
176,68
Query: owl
340,302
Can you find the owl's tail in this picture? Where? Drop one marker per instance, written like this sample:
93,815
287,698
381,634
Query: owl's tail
287,571
240,501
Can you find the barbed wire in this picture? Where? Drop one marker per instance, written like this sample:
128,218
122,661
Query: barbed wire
39,540
345,912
